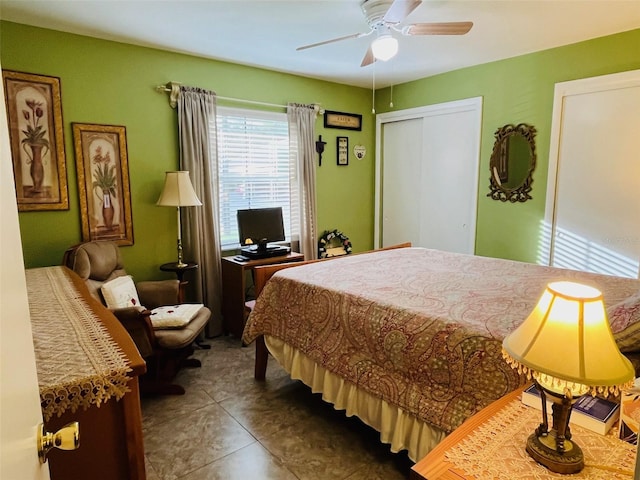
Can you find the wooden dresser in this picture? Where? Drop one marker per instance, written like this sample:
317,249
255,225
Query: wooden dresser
88,370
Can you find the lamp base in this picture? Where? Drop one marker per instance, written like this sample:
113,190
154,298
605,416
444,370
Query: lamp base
542,449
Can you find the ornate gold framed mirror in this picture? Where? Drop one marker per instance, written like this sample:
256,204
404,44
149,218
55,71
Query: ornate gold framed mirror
512,163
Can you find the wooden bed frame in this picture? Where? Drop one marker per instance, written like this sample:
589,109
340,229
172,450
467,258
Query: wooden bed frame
316,322
261,276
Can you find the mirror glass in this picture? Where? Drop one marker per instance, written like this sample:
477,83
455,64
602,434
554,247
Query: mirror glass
512,163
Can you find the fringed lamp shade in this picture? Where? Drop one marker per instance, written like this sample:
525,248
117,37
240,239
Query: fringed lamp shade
566,342
567,346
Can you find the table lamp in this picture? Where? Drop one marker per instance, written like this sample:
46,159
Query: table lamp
178,192
566,345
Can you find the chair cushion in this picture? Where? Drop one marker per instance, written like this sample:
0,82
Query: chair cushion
120,293
183,337
96,260
157,293
176,316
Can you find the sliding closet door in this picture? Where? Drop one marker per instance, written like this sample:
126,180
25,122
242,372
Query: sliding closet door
428,176
450,185
401,184
595,212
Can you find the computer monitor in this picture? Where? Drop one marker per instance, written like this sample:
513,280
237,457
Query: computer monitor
260,226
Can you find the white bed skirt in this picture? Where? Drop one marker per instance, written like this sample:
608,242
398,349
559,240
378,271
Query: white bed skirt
397,428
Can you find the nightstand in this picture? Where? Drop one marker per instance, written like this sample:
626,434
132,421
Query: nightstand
179,270
492,443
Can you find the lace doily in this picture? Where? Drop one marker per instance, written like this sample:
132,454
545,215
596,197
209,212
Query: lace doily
77,361
496,450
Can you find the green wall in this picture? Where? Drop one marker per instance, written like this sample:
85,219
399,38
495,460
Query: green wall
112,83
517,90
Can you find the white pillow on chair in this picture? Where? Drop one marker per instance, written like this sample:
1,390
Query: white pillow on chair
174,316
120,293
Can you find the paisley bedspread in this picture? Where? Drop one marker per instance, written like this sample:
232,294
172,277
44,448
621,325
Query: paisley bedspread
419,328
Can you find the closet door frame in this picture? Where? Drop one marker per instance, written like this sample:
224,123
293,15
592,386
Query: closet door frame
561,92
469,104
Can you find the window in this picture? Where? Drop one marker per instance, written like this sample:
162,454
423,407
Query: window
253,168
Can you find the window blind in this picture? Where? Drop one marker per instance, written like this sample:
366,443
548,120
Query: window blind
253,167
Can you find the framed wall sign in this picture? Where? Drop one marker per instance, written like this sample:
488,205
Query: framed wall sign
347,121
34,108
103,182
343,150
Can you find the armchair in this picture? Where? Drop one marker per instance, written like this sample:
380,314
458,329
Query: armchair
165,350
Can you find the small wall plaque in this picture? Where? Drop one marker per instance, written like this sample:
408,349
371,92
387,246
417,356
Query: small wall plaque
343,150
347,121
359,151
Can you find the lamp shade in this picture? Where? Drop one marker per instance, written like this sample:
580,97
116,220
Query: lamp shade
178,191
566,342
384,47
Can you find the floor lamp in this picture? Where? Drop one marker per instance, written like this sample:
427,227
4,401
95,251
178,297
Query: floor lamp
178,192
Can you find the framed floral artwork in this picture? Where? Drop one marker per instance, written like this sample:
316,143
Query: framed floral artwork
34,110
103,182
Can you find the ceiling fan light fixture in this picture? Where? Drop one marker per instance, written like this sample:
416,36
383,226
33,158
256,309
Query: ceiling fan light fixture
385,47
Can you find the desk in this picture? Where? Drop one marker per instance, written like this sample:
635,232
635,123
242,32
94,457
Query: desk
234,287
504,449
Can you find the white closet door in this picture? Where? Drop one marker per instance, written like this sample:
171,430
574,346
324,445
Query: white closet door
450,182
402,207
596,224
427,175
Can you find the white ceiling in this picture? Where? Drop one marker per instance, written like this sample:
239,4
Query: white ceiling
265,33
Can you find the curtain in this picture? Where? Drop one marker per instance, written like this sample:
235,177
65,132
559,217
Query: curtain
302,119
198,155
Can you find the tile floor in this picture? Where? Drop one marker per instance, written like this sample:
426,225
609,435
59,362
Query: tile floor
228,427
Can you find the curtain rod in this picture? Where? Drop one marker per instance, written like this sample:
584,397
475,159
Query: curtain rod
173,88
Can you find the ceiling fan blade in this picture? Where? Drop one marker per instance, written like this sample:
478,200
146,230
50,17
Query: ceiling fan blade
346,37
368,58
400,9
444,28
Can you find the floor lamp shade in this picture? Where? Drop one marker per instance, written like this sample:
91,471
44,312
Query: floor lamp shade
178,192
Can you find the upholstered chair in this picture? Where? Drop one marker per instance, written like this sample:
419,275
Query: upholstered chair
166,349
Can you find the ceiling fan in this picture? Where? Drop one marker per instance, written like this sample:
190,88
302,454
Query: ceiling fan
385,17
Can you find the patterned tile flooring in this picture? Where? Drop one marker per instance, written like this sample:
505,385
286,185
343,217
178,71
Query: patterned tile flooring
228,426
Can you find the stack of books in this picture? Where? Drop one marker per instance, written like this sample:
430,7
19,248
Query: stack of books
630,413
594,413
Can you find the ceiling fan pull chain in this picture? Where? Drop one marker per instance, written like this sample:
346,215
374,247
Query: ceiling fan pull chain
391,99
373,91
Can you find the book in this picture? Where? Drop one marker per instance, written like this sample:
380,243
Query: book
594,413
630,413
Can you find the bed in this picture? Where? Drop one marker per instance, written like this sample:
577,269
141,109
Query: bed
409,340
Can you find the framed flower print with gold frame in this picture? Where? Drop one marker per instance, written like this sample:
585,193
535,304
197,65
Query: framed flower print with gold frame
34,115
103,182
